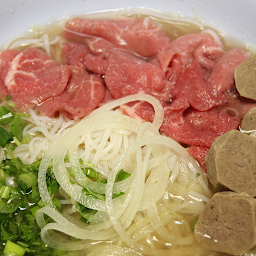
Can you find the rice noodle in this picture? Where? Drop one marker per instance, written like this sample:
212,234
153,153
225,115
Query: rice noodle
43,131
44,42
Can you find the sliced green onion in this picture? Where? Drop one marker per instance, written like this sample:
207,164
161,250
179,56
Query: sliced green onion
6,115
71,172
7,207
26,139
16,141
5,191
12,249
2,174
90,172
11,104
81,161
29,179
104,181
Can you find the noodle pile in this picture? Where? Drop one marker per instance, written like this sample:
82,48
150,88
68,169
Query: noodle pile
165,183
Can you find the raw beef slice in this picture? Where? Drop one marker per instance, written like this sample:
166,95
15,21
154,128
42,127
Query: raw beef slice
139,35
83,94
33,77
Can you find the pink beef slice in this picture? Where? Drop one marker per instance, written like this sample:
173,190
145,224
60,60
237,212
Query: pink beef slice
141,111
3,90
216,120
75,54
193,87
139,35
202,47
80,55
107,98
6,58
34,77
127,74
236,105
196,128
177,127
222,77
82,95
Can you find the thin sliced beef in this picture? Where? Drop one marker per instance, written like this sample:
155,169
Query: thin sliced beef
3,90
99,45
175,69
107,98
96,64
141,111
176,126
83,94
193,87
193,127
34,77
75,54
139,35
222,77
216,120
6,58
80,55
198,46
127,74
236,105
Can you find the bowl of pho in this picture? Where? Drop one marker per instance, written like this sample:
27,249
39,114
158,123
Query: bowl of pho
127,128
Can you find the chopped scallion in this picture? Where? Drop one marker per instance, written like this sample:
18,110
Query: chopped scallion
13,249
2,174
5,191
27,179
6,115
